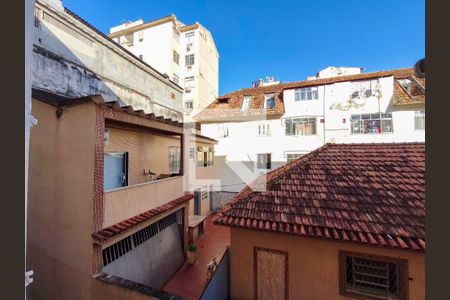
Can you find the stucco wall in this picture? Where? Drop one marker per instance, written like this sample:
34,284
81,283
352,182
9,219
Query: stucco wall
81,63
145,151
153,262
60,202
123,203
313,265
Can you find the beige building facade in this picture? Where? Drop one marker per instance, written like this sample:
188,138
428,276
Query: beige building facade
186,54
309,269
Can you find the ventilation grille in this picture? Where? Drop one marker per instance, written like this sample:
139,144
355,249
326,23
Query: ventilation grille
125,245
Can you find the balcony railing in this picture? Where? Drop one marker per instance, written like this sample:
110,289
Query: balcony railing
126,202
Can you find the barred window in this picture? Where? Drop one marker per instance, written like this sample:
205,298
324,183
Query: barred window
174,160
300,126
372,123
367,276
309,93
419,120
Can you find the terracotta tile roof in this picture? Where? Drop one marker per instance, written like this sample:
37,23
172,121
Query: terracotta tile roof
414,96
116,229
229,105
372,194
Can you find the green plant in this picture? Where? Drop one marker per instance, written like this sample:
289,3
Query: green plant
192,247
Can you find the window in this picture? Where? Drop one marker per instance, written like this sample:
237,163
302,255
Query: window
191,154
300,126
371,276
419,120
246,103
292,156
269,100
223,131
264,129
188,105
127,40
189,37
205,157
141,57
189,83
372,123
176,57
264,161
189,60
174,160
115,172
309,93
176,79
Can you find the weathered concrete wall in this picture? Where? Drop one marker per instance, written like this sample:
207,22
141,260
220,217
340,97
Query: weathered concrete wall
313,264
72,59
153,262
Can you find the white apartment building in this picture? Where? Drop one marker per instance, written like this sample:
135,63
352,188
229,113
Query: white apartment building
262,128
187,55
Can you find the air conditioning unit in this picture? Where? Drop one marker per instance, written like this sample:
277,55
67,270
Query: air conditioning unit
355,94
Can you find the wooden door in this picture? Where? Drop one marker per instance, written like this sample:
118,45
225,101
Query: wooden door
271,274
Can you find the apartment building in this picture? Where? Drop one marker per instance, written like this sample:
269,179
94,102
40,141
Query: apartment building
108,193
186,54
263,127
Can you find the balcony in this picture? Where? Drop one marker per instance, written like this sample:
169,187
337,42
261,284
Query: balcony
125,202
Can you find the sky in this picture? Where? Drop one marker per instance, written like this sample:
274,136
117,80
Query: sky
289,40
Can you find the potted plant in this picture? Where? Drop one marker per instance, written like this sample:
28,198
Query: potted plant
192,253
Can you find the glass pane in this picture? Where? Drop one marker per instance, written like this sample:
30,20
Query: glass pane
386,125
356,128
371,126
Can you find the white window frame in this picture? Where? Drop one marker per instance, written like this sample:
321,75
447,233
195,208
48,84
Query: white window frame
306,93
223,131
291,156
176,79
246,103
190,37
189,60
269,96
419,119
189,83
263,129
297,126
189,107
369,121
264,164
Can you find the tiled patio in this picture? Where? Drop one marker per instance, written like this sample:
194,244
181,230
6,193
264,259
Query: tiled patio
190,280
